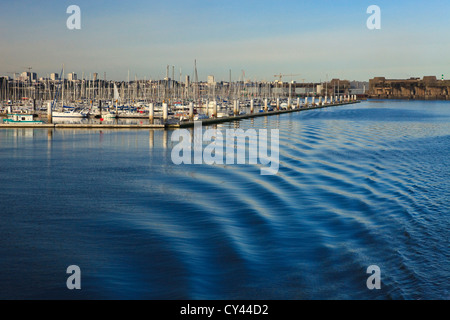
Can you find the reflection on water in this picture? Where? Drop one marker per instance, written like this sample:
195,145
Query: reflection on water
358,185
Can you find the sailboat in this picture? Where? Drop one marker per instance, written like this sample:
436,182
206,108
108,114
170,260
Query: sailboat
70,112
113,114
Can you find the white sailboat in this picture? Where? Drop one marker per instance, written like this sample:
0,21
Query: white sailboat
113,114
67,112
72,113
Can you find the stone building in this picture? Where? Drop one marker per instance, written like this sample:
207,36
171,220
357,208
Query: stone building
429,88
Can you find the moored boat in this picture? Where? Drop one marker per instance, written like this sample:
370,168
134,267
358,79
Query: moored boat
70,114
21,118
200,117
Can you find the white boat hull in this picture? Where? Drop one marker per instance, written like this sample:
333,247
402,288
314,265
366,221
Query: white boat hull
69,115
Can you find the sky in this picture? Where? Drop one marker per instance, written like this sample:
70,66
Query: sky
315,40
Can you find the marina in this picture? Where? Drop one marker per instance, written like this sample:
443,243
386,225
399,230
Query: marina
172,123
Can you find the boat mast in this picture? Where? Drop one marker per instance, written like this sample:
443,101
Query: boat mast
128,94
196,80
63,85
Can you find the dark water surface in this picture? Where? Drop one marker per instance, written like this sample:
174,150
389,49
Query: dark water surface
358,185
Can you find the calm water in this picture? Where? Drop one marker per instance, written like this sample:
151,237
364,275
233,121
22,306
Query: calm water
358,185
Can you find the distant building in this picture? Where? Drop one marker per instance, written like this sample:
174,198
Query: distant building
72,76
429,88
338,87
211,80
95,76
359,87
188,81
54,76
25,76
320,89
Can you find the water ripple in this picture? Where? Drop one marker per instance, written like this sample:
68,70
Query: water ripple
358,185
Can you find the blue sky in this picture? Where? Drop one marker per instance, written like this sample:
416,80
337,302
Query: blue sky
317,39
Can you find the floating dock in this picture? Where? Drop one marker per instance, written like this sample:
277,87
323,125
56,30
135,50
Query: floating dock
183,124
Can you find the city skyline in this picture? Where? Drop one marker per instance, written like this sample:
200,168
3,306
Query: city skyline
318,41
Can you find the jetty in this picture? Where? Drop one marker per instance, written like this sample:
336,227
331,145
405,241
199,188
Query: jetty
171,125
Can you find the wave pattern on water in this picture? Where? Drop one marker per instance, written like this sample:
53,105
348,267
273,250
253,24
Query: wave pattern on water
358,185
